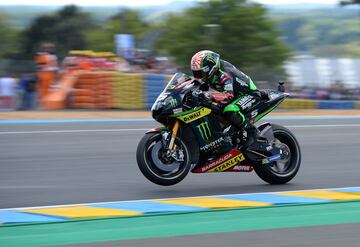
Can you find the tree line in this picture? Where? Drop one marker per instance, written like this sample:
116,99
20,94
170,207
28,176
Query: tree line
241,31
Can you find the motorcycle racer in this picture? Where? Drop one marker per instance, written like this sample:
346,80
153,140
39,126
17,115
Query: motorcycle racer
224,77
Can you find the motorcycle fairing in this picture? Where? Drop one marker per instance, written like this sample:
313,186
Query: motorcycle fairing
224,163
194,114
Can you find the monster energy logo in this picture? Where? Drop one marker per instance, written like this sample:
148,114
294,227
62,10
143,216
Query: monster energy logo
204,130
173,102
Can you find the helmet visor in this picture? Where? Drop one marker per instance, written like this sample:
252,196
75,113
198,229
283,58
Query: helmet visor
198,74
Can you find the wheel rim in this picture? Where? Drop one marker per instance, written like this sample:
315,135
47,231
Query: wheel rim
160,168
287,166
156,152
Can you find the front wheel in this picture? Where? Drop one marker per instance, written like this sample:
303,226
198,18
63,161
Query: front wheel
155,163
282,171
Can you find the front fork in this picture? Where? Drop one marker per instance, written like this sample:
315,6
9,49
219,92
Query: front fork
174,132
171,150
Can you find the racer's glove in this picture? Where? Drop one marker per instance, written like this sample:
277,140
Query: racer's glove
260,94
200,96
264,95
204,99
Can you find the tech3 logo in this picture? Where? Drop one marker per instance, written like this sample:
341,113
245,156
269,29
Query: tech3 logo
204,130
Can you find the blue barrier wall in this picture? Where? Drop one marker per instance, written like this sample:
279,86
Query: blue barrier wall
154,85
336,104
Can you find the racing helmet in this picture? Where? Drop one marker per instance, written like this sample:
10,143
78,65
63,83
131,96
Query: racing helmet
204,65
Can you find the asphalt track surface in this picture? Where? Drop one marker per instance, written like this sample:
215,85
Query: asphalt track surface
69,163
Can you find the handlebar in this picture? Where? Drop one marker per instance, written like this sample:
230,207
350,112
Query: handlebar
215,107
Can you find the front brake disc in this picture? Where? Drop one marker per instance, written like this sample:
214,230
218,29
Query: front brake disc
160,164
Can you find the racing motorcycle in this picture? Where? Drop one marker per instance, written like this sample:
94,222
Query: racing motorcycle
194,137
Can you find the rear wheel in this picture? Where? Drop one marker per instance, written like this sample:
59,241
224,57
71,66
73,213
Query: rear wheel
282,171
157,165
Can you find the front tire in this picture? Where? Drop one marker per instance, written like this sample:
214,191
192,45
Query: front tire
153,168
272,174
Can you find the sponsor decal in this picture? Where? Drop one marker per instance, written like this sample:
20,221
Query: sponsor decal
192,116
204,130
188,118
218,161
246,102
244,99
173,102
212,145
273,95
229,163
177,110
242,168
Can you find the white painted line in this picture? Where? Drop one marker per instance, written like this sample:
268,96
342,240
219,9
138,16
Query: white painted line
323,126
124,130
169,198
68,131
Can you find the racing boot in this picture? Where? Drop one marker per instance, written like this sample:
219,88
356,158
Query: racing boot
241,123
252,134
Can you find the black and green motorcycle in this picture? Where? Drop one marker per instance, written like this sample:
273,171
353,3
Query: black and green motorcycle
195,138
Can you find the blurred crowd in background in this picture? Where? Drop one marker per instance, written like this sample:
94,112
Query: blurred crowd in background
24,89
34,57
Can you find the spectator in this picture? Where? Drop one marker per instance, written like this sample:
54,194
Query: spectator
7,91
7,86
27,92
47,68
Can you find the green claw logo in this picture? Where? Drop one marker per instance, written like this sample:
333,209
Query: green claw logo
173,102
204,130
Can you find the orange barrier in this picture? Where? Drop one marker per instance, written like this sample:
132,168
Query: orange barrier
46,78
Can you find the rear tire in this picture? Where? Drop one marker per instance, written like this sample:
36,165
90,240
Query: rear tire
268,173
153,168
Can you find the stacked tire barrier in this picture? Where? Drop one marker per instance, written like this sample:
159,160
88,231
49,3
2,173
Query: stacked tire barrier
128,91
93,90
319,104
115,90
298,104
357,105
104,90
